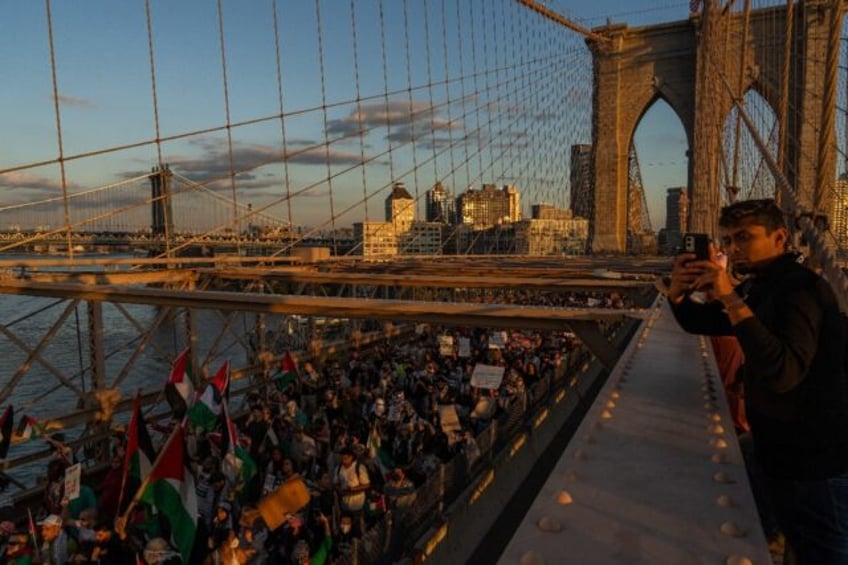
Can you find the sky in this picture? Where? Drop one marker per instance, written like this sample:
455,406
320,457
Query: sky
406,82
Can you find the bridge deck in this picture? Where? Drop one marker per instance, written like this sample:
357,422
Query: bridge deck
643,468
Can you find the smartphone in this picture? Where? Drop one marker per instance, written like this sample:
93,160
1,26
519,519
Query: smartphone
697,243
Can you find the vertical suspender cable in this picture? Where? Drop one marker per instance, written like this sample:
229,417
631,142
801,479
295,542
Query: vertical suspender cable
475,72
388,110
448,101
413,114
360,133
826,161
733,188
165,204
783,117
326,124
464,121
61,158
236,222
281,100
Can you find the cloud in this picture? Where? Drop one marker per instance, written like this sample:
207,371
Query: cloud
75,101
400,117
213,165
34,184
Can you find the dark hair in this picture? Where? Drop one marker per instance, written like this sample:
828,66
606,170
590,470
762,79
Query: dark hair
764,212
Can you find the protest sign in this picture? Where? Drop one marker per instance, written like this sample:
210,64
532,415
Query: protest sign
487,376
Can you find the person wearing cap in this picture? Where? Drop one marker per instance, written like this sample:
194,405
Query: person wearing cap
55,541
352,481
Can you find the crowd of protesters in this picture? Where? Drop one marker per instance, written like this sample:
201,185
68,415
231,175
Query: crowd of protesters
362,431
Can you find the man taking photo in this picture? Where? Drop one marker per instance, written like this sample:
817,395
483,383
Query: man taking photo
788,324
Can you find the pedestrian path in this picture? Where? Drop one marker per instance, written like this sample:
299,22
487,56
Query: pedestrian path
654,473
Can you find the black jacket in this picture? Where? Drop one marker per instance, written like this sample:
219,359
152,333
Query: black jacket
796,389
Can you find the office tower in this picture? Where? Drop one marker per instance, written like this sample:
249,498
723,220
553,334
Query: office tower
400,208
489,206
440,205
676,209
582,192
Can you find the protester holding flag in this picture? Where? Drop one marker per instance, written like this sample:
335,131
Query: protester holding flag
206,411
287,374
179,390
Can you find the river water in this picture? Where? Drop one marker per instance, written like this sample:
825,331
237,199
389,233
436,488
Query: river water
38,393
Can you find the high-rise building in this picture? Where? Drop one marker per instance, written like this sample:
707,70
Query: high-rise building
375,238
489,206
400,208
676,210
440,205
582,191
548,212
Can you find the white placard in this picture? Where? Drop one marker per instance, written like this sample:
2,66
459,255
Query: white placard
464,347
72,481
497,340
487,376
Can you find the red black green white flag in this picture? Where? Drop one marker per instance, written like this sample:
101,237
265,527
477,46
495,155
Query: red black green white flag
139,455
287,373
179,390
206,411
171,492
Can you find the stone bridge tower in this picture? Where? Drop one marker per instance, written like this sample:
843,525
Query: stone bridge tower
697,66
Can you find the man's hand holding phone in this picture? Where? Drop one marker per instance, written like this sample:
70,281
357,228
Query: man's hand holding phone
699,269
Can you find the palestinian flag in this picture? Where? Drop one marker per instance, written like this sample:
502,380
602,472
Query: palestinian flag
205,412
237,462
378,453
171,492
139,455
179,390
29,428
7,422
287,373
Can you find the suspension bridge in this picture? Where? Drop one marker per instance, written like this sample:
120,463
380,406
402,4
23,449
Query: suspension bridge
251,133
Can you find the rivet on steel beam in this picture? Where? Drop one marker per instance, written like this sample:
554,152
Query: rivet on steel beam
548,524
720,457
564,498
724,501
532,558
722,477
732,529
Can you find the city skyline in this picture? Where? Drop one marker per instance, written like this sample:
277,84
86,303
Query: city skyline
109,104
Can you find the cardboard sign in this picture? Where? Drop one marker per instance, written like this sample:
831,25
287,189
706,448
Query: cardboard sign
446,345
487,376
72,481
289,497
449,419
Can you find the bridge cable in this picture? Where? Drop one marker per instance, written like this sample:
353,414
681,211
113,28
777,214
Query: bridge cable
59,140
